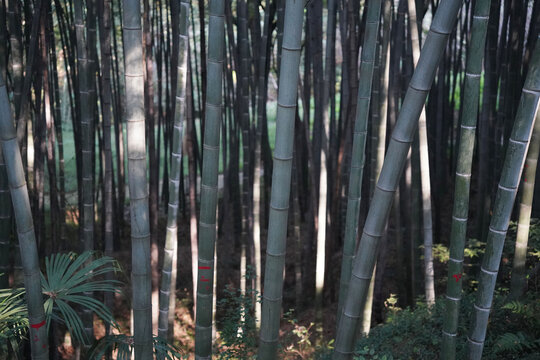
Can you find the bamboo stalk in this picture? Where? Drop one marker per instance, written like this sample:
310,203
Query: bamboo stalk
402,137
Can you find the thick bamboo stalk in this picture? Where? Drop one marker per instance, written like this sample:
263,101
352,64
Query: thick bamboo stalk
168,272
358,148
402,137
281,179
460,211
504,202
138,187
25,229
519,280
209,180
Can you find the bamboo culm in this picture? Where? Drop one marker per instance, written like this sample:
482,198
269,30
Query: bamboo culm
358,149
504,202
463,178
138,185
25,229
168,273
400,142
209,180
281,179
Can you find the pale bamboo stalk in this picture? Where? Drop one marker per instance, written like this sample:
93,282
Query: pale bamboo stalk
137,176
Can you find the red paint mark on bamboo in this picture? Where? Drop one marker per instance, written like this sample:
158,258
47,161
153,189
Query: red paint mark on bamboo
37,326
204,267
457,276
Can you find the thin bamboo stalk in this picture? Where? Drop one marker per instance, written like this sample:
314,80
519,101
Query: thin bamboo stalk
358,148
168,272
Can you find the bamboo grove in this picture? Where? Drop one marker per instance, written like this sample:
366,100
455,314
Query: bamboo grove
310,155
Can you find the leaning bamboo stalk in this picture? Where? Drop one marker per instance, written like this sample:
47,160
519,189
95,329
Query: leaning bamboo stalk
209,180
504,202
168,272
138,187
25,229
400,142
281,179
519,279
460,211
358,149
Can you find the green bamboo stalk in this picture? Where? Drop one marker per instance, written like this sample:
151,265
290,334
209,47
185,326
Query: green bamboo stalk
86,126
281,179
25,229
209,180
168,273
460,211
138,189
504,202
400,142
429,277
518,280
5,225
323,176
262,87
106,102
358,149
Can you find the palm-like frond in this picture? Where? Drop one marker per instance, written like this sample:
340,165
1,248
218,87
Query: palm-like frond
13,321
68,277
123,345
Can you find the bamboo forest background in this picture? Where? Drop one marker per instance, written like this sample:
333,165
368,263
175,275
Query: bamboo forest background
271,179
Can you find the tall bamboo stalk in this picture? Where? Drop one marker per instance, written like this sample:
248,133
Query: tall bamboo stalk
138,189
86,125
460,211
25,229
519,281
358,148
323,176
402,137
504,202
281,179
262,92
209,180
167,299
429,277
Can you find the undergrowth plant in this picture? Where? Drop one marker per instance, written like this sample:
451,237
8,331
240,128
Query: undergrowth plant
238,333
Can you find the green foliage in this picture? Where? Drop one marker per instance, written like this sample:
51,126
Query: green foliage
68,278
238,335
123,345
13,321
513,331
